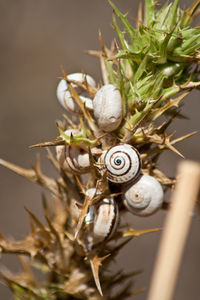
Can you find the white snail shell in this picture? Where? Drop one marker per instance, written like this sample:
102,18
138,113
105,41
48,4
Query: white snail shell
103,219
76,160
73,159
144,197
106,219
64,95
107,105
60,150
123,163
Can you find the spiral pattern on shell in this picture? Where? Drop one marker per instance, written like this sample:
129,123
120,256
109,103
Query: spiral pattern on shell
144,197
123,163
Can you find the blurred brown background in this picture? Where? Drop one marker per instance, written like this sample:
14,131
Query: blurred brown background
37,37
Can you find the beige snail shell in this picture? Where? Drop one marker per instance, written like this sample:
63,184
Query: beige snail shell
123,163
107,105
144,197
102,219
73,159
76,160
64,95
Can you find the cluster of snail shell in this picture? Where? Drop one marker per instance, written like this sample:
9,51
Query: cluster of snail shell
142,194
107,115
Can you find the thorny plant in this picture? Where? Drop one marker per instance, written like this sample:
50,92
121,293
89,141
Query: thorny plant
149,64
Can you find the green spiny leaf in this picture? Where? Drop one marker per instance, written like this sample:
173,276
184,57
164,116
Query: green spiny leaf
150,12
76,140
172,16
130,30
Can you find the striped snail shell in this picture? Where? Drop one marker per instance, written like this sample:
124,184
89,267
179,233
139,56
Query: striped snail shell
144,197
123,163
73,159
76,160
103,219
108,107
65,98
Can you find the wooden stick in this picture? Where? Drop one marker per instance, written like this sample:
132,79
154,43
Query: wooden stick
175,232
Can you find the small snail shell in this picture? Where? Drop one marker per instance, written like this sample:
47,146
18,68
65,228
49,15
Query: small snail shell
60,150
103,219
64,95
144,197
123,163
76,160
107,105
73,159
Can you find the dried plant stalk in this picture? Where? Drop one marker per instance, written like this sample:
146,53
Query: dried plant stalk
175,231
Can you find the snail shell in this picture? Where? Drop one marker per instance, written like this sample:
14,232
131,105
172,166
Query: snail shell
73,159
60,150
107,105
103,219
76,160
64,95
123,163
144,197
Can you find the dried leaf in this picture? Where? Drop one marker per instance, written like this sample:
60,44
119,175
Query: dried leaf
33,175
55,142
183,137
27,247
62,261
28,272
43,230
